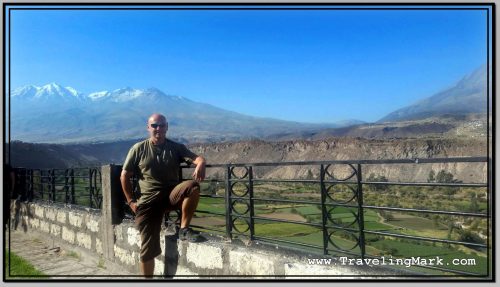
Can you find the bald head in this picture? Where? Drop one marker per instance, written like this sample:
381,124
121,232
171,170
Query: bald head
157,117
157,128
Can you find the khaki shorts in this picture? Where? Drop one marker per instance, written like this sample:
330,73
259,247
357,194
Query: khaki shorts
149,217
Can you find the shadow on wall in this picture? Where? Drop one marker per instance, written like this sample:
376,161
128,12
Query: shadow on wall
171,256
20,209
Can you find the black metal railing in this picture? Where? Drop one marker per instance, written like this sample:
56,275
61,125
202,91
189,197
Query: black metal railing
331,208
344,200
75,186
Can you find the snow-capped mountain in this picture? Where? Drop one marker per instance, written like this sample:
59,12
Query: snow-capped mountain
51,97
130,94
56,92
50,91
53,113
119,95
57,114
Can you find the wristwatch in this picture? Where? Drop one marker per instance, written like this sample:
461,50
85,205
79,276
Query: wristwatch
133,200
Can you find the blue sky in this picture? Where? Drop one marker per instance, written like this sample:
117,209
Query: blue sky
300,65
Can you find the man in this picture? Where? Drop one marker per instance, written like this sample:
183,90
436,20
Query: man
156,161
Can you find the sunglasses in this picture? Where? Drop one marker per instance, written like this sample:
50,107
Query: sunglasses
154,126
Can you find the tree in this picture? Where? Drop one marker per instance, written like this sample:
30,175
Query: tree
431,177
309,174
445,177
469,236
378,178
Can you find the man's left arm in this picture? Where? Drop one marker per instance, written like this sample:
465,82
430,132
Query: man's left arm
199,171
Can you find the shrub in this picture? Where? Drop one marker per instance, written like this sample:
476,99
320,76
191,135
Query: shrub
469,236
431,177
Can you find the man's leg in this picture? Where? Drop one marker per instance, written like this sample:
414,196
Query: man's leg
148,221
147,268
189,205
186,195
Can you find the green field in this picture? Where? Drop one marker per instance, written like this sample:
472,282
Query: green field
413,224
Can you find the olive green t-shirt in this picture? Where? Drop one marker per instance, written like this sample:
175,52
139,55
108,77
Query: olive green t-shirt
156,166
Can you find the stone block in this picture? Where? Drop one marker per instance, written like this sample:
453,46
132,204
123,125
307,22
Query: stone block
118,230
61,216
50,213
133,237
243,262
35,223
205,256
39,211
68,235
83,239
55,230
159,267
45,226
126,256
75,219
93,224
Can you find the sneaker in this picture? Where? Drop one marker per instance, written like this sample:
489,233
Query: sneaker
189,235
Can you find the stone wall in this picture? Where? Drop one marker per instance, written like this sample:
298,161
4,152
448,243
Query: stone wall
77,226
213,258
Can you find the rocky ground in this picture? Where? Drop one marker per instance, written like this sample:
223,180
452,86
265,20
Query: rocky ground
59,261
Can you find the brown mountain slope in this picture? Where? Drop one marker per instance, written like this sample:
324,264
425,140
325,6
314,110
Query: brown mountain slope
62,156
353,149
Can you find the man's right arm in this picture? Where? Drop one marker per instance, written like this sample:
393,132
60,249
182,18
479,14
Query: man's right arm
127,189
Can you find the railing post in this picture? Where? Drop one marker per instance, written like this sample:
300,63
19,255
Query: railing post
72,184
361,217
53,184
112,206
90,187
227,197
20,190
41,184
30,185
324,213
252,210
66,186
